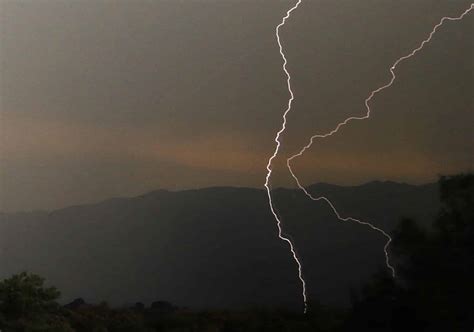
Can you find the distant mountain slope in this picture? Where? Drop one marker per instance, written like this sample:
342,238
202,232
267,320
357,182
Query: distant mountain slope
213,247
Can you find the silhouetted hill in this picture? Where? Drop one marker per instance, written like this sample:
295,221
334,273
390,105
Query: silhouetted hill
212,247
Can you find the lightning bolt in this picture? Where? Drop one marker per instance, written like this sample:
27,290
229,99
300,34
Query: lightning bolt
277,149
366,116
330,133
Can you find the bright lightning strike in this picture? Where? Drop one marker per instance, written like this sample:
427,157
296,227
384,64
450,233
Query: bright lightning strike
366,116
277,149
335,130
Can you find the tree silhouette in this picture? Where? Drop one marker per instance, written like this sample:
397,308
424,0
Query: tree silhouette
27,305
435,282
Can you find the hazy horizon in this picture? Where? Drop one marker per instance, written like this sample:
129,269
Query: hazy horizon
106,99
262,189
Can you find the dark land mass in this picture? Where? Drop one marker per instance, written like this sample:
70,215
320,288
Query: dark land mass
214,247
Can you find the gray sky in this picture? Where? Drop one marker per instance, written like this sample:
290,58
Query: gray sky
113,98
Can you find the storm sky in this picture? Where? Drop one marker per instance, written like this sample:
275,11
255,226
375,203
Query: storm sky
115,98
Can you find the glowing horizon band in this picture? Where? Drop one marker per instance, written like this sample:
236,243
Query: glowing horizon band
335,130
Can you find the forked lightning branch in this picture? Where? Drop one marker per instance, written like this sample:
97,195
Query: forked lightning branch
330,133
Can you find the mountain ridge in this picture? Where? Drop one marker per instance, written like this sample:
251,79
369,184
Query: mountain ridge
163,191
214,247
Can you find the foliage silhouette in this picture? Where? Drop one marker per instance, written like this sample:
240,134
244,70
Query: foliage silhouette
434,287
27,305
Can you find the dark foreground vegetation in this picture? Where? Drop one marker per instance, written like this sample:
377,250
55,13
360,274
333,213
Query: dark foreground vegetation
433,290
